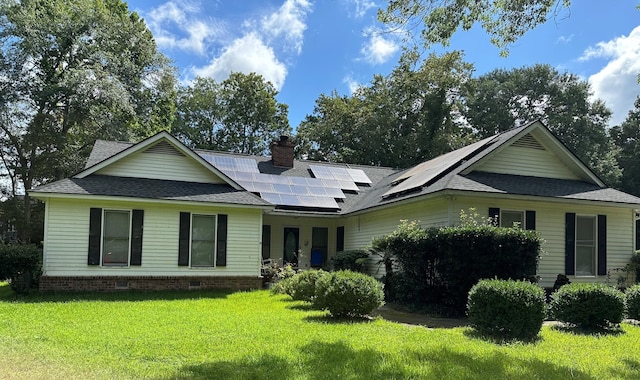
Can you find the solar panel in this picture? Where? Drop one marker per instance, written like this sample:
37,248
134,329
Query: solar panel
299,200
359,176
229,163
421,174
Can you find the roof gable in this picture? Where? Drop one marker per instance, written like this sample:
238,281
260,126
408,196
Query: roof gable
534,151
152,157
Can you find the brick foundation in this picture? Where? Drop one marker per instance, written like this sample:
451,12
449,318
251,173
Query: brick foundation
123,283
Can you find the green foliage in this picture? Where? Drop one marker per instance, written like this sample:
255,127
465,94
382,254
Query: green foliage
351,260
348,294
627,140
398,120
633,302
73,71
438,20
440,265
507,309
238,115
588,305
302,286
21,265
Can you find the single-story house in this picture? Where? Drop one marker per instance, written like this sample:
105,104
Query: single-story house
158,215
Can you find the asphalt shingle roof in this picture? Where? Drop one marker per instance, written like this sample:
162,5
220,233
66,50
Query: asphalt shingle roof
451,178
151,189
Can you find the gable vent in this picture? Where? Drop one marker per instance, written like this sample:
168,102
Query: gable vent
163,147
528,141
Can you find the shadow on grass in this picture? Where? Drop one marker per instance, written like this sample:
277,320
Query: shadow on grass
446,364
301,307
328,319
578,330
319,360
129,296
475,334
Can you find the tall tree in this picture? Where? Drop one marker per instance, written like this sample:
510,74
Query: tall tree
72,71
438,20
398,120
627,139
240,114
501,99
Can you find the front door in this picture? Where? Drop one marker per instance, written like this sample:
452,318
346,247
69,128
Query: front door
291,245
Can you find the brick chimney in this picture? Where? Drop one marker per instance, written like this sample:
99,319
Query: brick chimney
282,152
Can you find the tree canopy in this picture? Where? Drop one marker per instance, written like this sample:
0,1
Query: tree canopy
72,71
238,115
627,139
438,20
398,120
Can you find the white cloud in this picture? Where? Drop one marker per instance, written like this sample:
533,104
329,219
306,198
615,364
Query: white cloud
616,83
247,54
288,23
352,84
564,40
175,25
361,7
378,49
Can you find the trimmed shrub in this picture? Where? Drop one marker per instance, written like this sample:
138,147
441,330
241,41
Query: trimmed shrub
350,260
633,302
21,264
507,309
348,294
440,265
302,286
588,305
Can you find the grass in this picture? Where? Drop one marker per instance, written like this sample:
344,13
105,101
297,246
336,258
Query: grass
253,335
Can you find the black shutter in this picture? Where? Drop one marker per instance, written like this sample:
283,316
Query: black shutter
340,239
221,241
602,245
266,242
95,236
530,220
137,220
494,214
183,246
569,243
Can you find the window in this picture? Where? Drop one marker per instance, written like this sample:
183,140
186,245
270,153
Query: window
266,242
585,245
115,237
340,239
319,246
203,240
512,218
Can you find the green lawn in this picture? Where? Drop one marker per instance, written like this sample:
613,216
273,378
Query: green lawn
254,335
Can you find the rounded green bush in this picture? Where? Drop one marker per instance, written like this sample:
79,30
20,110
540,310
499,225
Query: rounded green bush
303,284
633,302
348,294
506,309
588,305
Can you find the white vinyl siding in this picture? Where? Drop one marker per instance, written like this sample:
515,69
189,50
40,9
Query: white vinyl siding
534,162
67,235
161,166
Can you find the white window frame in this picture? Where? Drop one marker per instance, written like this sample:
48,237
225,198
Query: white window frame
521,212
102,237
594,247
215,242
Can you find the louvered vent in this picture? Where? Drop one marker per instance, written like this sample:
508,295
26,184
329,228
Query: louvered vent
528,141
163,147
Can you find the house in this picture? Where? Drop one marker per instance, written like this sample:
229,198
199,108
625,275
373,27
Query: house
158,215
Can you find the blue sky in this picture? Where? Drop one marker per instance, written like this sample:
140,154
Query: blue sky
306,48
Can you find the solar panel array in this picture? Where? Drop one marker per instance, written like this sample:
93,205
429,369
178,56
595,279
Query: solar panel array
340,174
286,190
423,173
